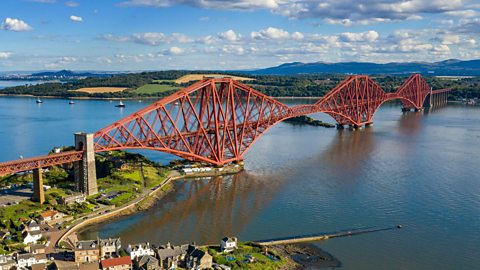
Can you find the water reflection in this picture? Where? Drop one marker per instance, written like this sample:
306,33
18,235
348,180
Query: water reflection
349,149
201,210
410,123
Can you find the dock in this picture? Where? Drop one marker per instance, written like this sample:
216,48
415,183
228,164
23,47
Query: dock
322,236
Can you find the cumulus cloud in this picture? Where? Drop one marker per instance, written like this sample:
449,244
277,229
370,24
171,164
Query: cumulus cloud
229,35
346,12
60,62
16,25
5,55
212,4
359,37
175,50
297,35
74,18
468,26
149,38
270,33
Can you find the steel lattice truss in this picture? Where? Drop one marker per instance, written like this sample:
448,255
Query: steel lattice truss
217,120
354,101
413,92
214,120
39,162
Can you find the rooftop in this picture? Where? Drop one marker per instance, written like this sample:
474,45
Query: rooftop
86,245
116,262
49,213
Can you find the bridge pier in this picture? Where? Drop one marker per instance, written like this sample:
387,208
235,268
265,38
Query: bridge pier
84,170
38,193
354,127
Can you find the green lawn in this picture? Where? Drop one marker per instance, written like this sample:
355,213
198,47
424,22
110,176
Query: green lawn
163,81
23,209
154,176
155,88
246,250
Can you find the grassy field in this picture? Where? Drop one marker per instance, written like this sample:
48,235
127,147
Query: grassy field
197,77
95,90
155,88
238,259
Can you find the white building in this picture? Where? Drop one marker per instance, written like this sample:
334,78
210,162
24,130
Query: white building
139,250
33,226
28,259
7,262
31,233
228,244
30,237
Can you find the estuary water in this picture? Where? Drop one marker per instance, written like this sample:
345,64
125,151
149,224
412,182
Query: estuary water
421,170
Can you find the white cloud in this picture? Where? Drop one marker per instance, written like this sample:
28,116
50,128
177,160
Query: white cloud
175,50
72,4
16,25
211,4
346,12
359,37
74,18
468,13
297,35
62,61
150,38
229,35
5,55
270,33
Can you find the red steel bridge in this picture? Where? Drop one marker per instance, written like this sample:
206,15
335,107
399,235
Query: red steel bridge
217,120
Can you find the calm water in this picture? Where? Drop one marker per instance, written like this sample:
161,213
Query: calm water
419,170
4,84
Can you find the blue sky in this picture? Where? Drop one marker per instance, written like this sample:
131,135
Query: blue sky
228,34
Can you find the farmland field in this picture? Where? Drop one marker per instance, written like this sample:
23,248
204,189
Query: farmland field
155,88
94,90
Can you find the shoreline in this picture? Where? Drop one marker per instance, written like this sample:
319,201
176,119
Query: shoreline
122,98
138,204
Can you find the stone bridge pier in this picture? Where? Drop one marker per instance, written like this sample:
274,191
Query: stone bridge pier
84,170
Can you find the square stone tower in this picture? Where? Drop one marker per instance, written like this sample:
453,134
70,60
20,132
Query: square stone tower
85,170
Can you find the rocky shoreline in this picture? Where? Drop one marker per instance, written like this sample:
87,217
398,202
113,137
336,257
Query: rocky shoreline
307,256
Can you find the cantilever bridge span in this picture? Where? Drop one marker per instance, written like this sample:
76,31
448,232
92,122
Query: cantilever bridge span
216,120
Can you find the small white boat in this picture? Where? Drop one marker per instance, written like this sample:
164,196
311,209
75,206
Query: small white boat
120,105
71,102
39,100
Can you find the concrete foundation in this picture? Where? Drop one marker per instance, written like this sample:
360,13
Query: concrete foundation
85,170
38,193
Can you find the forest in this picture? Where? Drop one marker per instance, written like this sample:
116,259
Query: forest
311,85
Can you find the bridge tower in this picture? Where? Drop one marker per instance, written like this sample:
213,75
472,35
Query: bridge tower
38,194
85,170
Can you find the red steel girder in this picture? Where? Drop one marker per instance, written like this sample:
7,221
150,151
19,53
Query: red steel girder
39,162
213,120
217,120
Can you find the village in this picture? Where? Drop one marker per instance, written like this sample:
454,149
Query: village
42,236
40,254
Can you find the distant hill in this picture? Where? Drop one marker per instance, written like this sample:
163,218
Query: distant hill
68,74
451,67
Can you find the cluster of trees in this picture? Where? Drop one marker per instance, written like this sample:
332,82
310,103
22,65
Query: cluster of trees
307,85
